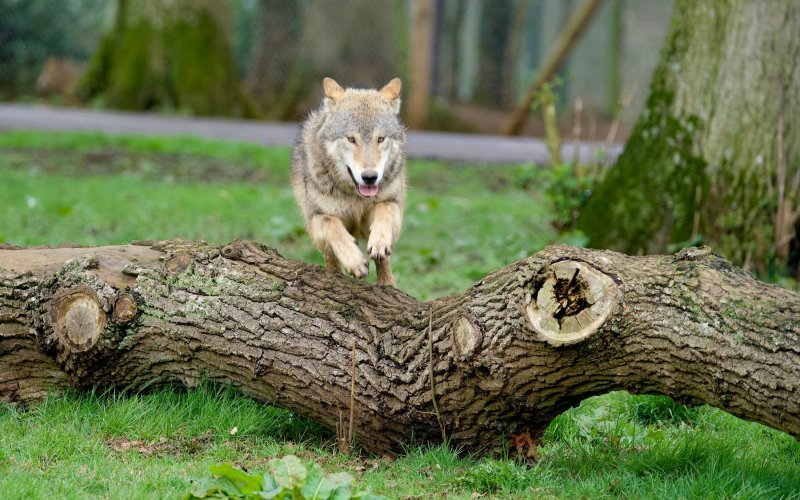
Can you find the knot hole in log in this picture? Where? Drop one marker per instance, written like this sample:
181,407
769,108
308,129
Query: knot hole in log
570,301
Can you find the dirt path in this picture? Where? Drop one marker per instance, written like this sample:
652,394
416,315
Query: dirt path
429,145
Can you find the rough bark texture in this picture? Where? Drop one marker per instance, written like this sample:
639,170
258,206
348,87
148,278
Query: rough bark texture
172,54
716,152
522,345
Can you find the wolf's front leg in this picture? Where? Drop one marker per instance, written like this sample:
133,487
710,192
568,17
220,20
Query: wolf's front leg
384,229
330,236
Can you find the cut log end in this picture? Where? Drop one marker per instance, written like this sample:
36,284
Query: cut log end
79,320
124,309
572,302
466,338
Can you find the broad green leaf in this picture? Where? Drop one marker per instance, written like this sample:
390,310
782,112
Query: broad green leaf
245,483
315,486
342,492
341,483
269,488
288,471
341,479
268,482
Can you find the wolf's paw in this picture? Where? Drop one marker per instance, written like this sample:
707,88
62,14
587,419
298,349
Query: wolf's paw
355,264
379,245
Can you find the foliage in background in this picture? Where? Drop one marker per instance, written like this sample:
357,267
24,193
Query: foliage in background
566,186
287,479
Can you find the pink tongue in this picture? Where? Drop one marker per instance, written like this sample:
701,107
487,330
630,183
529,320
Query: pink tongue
368,191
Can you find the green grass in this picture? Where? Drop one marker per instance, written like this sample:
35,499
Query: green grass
461,222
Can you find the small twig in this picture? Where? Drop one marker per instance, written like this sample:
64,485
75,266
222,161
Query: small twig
698,199
352,395
626,101
344,447
433,383
576,128
345,435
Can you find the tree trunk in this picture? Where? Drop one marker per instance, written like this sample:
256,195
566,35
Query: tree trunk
419,95
714,155
362,45
275,62
525,343
172,54
513,50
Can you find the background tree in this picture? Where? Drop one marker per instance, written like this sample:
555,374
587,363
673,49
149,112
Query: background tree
169,54
714,154
273,74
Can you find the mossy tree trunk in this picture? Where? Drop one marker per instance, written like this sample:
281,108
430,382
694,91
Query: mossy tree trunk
168,54
502,359
714,155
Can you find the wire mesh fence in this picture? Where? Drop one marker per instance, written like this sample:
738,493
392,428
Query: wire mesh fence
482,54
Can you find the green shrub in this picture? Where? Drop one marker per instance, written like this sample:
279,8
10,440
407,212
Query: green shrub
287,478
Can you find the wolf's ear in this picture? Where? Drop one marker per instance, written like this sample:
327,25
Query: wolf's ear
333,90
391,92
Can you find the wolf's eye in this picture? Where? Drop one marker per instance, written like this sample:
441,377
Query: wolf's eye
381,139
351,139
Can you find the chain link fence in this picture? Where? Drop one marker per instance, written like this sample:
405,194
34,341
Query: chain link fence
483,53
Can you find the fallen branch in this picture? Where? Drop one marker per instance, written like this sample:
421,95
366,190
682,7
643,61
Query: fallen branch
518,348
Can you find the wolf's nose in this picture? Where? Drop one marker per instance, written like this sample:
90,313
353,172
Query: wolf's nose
370,177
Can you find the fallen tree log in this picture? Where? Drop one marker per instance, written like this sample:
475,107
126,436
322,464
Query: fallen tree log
505,357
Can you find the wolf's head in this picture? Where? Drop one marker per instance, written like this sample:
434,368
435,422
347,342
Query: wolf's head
363,133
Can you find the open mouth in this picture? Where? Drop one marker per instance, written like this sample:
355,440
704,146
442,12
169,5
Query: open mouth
365,191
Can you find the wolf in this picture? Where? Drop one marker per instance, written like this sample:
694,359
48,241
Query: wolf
349,176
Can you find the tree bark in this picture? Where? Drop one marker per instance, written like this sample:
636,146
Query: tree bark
522,345
714,154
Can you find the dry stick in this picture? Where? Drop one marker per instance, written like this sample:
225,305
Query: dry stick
569,35
576,128
785,216
698,200
352,395
345,436
433,383
626,101
340,434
